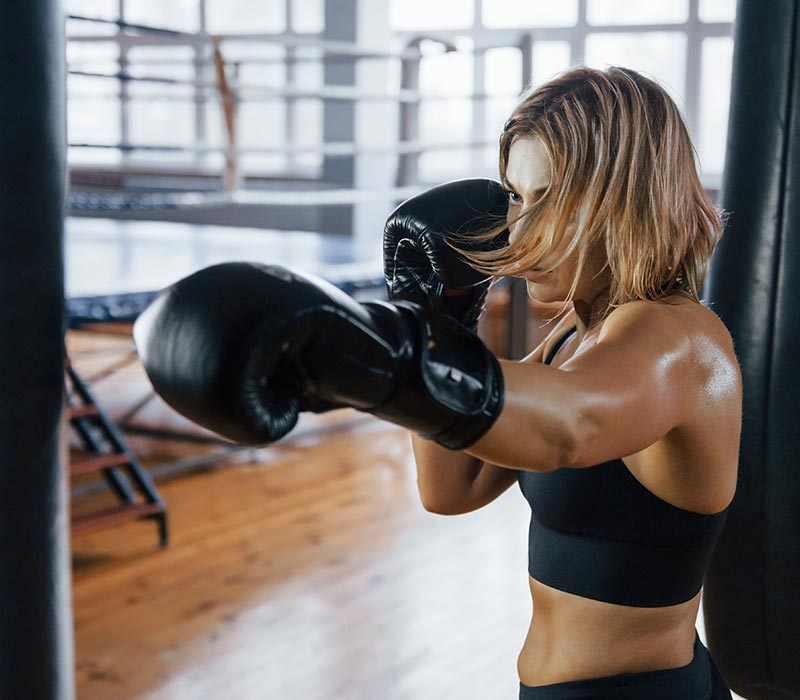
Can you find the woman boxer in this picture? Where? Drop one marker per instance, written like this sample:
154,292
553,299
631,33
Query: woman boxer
627,445
622,428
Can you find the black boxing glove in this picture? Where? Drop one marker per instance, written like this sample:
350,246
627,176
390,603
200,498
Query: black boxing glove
242,348
419,266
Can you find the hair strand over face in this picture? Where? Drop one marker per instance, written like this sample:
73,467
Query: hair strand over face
623,169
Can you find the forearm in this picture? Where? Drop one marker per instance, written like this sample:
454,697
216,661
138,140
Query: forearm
444,477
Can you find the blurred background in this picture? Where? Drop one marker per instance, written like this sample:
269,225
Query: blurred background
349,95
286,131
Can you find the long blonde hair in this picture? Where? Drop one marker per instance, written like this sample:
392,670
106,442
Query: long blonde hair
622,168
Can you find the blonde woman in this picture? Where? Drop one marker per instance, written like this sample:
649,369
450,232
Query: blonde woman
621,428
624,430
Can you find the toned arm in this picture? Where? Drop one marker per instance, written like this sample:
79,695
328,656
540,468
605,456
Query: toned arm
640,380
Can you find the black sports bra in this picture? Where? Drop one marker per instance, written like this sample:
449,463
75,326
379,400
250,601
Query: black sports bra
598,532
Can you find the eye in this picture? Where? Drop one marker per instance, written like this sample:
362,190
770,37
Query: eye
513,197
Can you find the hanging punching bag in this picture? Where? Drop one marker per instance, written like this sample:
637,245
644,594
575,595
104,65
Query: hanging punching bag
35,622
751,600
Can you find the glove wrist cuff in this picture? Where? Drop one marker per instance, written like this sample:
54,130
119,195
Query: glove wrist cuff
449,386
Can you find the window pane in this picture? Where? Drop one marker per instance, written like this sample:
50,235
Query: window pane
306,119
512,13
159,120
448,121
162,62
445,121
106,9
717,10
446,74
498,110
93,118
308,15
504,71
93,114
443,165
161,113
175,14
232,16
308,73
503,80
86,87
659,55
256,73
423,14
262,124
94,57
715,96
636,12
549,58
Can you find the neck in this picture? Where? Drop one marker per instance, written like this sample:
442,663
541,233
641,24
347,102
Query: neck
590,312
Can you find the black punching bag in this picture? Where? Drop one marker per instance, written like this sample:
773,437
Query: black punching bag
36,655
751,599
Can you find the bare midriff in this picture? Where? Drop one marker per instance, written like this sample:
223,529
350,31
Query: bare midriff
575,638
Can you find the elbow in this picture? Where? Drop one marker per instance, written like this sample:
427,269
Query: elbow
434,503
446,509
438,507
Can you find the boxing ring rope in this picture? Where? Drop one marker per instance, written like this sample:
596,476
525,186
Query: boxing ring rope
231,93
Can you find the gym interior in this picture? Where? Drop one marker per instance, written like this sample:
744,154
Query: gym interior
146,556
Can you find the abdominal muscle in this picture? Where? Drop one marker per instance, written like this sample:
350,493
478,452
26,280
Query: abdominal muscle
574,638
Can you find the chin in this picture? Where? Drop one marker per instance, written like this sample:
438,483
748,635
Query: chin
545,293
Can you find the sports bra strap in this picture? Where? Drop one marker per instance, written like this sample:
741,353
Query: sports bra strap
558,345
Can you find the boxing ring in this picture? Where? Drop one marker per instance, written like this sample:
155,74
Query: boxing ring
158,223
114,267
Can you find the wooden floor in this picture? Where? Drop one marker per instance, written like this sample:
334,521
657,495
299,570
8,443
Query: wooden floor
308,570
305,571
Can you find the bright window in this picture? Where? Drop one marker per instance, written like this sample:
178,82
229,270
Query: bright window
465,96
308,16
424,14
660,55
715,95
600,12
549,58
175,14
717,10
512,13
232,16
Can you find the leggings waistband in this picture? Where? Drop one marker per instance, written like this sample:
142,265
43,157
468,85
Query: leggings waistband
690,682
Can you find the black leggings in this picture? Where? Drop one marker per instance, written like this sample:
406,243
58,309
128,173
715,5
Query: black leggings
699,680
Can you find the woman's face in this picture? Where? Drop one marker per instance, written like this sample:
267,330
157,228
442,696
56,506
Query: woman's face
528,173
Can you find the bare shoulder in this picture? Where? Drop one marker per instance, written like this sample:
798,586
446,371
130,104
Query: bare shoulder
683,333
681,324
694,464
